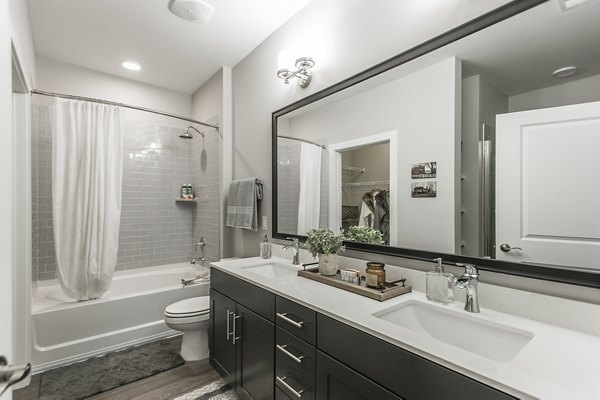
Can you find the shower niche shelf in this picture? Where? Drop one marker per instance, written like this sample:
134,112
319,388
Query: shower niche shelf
180,200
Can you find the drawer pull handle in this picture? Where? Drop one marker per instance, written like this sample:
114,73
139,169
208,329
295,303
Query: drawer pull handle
284,317
229,313
287,353
233,331
297,393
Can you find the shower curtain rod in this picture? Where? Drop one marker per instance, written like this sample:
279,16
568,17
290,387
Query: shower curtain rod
112,103
303,140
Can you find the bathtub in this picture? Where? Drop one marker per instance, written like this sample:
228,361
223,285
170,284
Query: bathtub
130,313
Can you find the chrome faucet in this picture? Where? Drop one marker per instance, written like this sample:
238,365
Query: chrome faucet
202,244
295,246
468,281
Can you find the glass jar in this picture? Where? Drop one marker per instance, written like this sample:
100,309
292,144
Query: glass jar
375,274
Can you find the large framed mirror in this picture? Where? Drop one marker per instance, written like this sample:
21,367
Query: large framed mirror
477,146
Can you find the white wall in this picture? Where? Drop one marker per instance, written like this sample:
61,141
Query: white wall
55,76
22,39
344,37
422,107
7,192
571,92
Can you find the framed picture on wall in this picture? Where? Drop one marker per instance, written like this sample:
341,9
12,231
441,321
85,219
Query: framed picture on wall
424,189
424,170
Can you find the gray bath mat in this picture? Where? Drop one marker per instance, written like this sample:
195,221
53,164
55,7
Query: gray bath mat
217,390
99,374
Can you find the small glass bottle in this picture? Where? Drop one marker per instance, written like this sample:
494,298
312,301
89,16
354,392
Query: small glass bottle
439,284
375,274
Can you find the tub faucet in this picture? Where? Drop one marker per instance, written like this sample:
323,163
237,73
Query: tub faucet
202,244
468,281
295,246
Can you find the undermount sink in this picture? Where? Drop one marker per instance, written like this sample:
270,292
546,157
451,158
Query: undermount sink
485,338
272,269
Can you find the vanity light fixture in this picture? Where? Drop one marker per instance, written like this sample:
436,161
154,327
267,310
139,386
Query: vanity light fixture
303,66
565,72
131,65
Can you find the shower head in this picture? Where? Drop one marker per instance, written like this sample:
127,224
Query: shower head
186,134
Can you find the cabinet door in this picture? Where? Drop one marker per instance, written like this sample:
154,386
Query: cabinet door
255,358
222,348
335,381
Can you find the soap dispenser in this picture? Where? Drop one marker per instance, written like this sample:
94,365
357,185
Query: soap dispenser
439,284
265,246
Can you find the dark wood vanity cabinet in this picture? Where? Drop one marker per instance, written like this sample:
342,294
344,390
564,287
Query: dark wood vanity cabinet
242,334
295,349
403,373
269,347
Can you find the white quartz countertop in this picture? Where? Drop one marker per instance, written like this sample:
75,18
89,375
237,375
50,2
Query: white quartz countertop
557,363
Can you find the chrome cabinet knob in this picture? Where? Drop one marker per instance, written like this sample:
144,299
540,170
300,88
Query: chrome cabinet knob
505,247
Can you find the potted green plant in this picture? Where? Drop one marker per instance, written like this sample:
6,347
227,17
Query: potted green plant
363,234
326,245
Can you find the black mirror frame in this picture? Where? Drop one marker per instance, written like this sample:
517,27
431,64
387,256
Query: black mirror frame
572,276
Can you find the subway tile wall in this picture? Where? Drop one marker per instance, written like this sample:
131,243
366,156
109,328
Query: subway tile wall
206,162
155,230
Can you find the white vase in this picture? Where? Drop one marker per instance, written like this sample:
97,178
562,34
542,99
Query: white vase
328,264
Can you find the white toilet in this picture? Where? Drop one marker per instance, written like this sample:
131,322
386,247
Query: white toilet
191,316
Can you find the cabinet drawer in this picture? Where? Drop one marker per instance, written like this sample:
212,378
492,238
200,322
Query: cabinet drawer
256,299
337,381
280,394
297,353
293,383
297,319
402,372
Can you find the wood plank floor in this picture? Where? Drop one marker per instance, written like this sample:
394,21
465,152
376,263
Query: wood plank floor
164,386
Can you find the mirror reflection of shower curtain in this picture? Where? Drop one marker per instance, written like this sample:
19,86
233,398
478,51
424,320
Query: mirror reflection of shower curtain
87,169
309,204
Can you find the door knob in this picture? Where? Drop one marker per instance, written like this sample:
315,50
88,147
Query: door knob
505,247
11,374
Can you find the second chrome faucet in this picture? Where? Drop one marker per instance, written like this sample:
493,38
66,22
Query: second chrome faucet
468,281
295,246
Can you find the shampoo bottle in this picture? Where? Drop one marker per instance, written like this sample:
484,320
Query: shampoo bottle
439,284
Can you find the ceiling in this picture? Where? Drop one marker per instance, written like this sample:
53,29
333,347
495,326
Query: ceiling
174,53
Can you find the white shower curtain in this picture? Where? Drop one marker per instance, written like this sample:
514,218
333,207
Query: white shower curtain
309,205
87,164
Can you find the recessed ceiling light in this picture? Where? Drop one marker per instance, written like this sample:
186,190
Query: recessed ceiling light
564,72
131,65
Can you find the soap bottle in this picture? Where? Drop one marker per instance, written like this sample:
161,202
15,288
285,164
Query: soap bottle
439,284
265,248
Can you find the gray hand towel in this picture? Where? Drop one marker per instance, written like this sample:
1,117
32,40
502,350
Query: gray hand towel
242,204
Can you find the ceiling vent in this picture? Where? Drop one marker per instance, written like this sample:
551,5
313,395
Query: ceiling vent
197,11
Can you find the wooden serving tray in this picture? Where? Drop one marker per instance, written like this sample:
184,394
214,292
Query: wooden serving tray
388,290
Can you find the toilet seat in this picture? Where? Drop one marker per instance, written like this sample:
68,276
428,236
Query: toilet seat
189,308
